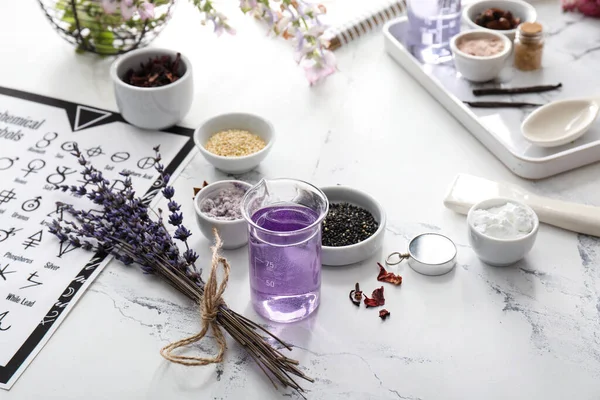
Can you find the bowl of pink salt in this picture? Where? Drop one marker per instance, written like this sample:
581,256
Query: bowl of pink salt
480,55
218,205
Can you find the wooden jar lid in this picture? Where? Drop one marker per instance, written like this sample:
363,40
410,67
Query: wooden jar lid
530,28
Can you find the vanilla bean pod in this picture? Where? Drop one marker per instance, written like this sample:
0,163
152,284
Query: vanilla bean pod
500,104
516,90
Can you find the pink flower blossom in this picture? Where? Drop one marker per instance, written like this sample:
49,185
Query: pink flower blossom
110,6
146,11
127,9
591,8
318,69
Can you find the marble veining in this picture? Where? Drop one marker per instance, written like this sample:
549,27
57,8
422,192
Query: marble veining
526,332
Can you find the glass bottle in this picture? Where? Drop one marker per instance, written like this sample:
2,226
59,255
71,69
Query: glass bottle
431,25
529,46
284,220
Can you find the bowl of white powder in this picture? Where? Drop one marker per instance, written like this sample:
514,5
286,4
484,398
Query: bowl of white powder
502,231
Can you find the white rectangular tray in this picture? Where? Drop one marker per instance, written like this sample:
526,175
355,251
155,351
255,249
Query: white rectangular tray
571,57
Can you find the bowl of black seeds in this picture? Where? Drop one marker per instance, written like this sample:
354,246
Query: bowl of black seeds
354,227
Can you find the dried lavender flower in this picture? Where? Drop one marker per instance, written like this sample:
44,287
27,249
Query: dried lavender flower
123,227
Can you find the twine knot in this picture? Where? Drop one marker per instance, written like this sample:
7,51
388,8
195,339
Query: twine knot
210,303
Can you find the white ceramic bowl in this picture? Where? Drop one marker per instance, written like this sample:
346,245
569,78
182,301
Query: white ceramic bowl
345,255
233,233
479,69
500,252
152,108
518,8
252,123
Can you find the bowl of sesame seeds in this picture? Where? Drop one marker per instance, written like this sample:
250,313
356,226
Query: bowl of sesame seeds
235,143
354,227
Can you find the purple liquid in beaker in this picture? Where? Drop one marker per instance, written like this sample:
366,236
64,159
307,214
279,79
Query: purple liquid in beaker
285,262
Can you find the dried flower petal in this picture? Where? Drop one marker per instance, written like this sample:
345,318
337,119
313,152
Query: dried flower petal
197,189
383,314
376,299
356,295
388,277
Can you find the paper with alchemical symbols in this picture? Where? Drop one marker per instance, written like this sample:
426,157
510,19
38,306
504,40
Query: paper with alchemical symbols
41,279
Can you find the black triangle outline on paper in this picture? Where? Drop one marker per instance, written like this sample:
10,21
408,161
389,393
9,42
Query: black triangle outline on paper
94,116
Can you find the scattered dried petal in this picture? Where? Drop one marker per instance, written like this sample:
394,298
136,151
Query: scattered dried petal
383,314
388,277
376,299
196,189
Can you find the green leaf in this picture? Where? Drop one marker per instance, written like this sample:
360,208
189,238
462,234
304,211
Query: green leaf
106,49
105,38
69,20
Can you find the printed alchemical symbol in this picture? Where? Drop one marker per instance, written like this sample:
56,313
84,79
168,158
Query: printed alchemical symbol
60,209
68,146
59,176
68,292
65,247
120,156
85,183
2,316
94,151
146,162
31,279
7,162
47,140
34,166
50,317
33,240
158,183
6,233
7,195
118,185
31,204
4,272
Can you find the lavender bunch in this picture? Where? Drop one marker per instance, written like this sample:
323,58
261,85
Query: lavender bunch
123,227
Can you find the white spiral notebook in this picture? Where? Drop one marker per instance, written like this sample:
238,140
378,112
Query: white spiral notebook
350,20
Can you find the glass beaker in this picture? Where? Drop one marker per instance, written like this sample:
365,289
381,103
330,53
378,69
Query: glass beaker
431,25
284,220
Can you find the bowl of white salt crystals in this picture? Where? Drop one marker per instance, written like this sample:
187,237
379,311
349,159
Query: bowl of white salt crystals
218,205
502,231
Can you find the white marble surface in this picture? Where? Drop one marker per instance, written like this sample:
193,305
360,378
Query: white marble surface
530,331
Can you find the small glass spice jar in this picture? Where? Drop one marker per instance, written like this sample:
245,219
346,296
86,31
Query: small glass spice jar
529,46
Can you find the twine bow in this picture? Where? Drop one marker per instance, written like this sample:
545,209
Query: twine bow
209,308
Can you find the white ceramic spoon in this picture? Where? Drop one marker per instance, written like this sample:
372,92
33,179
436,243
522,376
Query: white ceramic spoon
560,122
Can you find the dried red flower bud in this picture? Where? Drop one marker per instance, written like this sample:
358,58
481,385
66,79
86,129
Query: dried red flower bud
356,295
383,314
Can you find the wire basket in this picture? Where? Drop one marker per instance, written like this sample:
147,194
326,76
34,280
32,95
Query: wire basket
84,24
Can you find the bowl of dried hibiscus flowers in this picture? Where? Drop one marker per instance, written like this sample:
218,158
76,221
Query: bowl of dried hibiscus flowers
154,88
